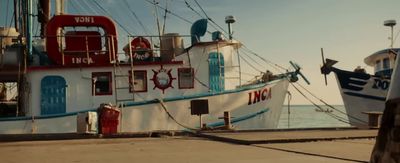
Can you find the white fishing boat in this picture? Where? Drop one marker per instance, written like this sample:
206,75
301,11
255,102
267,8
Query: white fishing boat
363,92
77,69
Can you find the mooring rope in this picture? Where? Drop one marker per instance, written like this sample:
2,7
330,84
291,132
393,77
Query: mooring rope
173,118
350,116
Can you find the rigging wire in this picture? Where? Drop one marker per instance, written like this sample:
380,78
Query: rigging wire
75,7
106,12
313,103
355,118
272,65
6,20
165,17
9,26
157,21
246,73
191,8
262,58
92,9
172,117
250,64
267,61
259,64
169,11
146,31
201,8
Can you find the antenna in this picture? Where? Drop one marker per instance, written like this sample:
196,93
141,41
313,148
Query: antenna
391,24
229,20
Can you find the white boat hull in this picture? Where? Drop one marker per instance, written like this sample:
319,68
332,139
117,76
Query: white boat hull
249,111
361,93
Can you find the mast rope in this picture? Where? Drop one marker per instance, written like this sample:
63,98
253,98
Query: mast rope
106,12
262,58
169,11
209,18
172,117
6,20
191,8
316,105
136,17
252,59
330,106
250,64
165,17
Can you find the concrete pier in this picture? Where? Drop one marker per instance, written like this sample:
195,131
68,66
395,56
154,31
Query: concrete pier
293,146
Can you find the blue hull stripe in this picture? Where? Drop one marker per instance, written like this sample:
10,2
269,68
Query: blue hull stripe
239,119
177,98
365,96
44,116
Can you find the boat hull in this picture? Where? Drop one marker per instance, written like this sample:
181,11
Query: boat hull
254,107
361,92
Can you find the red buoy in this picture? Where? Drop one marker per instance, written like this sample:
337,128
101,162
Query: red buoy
140,48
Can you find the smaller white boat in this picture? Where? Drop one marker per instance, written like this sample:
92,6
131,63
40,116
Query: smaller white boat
361,91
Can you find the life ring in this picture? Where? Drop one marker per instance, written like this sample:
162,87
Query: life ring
141,49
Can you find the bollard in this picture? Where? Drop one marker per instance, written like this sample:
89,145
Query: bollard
227,120
374,118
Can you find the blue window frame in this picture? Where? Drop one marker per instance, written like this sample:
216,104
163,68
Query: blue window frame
216,72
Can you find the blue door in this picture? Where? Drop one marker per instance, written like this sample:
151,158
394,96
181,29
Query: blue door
216,69
52,98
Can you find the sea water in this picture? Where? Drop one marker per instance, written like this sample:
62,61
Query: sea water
307,116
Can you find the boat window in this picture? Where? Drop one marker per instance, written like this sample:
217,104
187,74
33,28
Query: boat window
378,65
386,63
186,78
83,41
140,81
102,83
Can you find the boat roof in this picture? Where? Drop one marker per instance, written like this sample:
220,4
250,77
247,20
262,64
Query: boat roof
220,43
370,60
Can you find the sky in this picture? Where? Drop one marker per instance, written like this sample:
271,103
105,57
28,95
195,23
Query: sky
278,30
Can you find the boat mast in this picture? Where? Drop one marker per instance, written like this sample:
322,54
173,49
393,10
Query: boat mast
16,15
29,28
44,15
59,7
158,22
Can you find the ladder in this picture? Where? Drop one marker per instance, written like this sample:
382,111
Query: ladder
124,81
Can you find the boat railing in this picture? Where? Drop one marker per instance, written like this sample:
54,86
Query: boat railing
73,44
141,47
165,47
86,46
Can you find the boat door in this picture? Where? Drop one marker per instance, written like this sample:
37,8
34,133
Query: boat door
52,96
216,69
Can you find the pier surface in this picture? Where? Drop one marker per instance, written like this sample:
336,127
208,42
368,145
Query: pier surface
278,146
